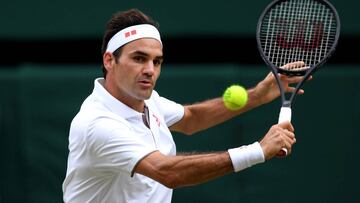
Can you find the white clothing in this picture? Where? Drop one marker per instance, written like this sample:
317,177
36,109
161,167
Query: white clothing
106,141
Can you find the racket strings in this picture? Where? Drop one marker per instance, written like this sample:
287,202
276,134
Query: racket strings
298,30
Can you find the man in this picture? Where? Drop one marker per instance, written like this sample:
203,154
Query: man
120,145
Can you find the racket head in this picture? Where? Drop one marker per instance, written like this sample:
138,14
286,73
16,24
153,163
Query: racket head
297,30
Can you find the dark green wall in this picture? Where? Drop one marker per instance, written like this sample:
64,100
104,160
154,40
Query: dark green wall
41,19
38,102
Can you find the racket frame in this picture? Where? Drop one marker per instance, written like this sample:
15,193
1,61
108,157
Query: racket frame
285,111
306,73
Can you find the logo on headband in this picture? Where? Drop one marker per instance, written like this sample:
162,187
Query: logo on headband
128,34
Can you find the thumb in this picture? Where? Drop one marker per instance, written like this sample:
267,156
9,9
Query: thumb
287,125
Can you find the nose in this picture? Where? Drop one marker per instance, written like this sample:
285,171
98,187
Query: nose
149,68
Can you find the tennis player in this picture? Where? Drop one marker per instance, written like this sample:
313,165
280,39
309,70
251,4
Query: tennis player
120,143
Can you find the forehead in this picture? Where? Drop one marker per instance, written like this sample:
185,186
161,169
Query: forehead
149,46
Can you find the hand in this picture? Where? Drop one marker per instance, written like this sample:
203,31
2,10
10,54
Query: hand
279,136
267,90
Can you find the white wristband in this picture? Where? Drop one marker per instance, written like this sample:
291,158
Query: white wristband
246,156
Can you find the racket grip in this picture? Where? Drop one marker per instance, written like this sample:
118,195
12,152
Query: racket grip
285,115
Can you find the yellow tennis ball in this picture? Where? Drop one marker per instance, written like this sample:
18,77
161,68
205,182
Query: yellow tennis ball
235,97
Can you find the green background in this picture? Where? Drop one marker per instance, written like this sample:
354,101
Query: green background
86,18
38,102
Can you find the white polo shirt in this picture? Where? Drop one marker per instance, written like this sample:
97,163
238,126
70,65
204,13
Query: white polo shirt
107,139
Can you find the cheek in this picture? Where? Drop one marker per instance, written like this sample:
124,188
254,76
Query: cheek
157,73
123,77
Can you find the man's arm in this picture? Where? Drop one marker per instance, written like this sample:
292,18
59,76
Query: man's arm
201,116
185,170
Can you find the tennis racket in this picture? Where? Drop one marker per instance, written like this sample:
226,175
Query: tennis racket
296,30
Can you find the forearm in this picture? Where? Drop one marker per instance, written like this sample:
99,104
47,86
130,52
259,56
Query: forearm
195,169
185,170
201,168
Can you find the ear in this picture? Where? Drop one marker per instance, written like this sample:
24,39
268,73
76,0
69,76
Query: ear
108,60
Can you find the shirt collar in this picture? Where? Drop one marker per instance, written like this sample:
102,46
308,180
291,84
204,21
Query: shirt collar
110,102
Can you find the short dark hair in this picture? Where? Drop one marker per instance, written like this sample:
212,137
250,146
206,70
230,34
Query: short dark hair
120,21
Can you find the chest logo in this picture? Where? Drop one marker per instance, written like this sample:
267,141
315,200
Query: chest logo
157,120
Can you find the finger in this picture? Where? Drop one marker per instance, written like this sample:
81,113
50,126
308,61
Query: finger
288,147
286,125
300,91
288,143
294,79
291,80
270,78
284,151
309,78
293,65
270,75
291,139
288,134
292,89
291,128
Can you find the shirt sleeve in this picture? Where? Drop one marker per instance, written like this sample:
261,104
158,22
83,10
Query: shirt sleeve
115,146
172,111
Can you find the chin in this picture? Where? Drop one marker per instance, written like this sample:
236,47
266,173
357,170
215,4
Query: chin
145,95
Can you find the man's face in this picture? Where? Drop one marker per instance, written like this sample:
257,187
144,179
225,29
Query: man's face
134,75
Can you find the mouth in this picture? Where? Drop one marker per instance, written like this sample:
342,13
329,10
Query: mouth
146,83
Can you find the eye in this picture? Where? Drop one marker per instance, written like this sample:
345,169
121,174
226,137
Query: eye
158,62
139,59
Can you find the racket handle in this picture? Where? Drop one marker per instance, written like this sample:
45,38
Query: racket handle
285,115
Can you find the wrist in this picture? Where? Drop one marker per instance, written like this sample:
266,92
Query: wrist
246,156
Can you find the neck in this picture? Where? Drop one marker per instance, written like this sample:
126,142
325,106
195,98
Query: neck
136,104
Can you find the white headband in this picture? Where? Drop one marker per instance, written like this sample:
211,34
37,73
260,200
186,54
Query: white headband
132,33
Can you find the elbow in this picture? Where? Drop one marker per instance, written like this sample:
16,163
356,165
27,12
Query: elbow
189,132
165,170
171,185
191,129
189,124
171,181
170,178
186,130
